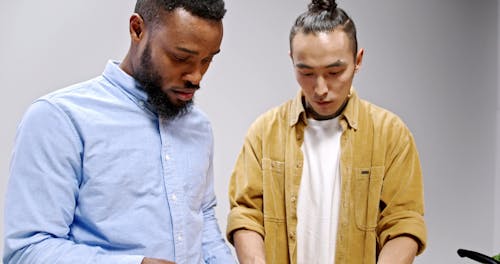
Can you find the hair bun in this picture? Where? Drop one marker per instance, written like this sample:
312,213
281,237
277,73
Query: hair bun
322,5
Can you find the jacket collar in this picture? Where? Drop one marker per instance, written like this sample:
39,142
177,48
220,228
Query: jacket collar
350,113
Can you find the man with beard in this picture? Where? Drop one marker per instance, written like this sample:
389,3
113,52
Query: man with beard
118,169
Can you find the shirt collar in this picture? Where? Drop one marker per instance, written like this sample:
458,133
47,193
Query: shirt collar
114,74
350,113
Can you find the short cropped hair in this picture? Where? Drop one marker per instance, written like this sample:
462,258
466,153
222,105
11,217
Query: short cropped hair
149,10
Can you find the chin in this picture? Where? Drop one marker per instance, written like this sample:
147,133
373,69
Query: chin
325,113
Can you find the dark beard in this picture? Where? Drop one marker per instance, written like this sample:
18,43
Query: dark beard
151,81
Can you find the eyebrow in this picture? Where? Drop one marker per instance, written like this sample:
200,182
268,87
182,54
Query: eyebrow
194,52
331,65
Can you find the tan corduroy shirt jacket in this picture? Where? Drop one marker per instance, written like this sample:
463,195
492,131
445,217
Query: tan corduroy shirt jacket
381,189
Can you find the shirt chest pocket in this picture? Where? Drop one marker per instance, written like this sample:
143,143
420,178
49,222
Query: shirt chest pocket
367,190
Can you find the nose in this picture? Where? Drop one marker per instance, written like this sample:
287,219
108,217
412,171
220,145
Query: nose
194,76
321,88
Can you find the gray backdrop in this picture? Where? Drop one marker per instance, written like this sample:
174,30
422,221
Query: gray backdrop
435,63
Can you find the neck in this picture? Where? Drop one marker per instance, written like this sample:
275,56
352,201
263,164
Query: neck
126,65
310,111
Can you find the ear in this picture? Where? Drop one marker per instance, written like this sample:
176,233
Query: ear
359,59
290,54
136,27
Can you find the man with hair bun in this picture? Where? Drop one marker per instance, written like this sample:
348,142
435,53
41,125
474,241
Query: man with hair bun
118,169
327,177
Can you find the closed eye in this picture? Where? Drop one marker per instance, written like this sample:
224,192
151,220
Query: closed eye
181,59
306,73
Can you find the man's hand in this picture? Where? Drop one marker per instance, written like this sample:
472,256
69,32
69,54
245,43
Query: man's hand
155,261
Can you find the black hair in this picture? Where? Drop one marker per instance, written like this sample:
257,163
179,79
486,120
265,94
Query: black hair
325,16
149,10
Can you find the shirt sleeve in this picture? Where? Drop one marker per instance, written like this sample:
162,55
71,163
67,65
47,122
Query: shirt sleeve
246,187
215,248
45,174
402,195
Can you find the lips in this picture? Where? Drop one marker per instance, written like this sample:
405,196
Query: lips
323,103
184,95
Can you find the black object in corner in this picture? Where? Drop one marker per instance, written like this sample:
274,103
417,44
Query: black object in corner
481,258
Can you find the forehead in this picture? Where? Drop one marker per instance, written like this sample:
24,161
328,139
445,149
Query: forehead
322,47
179,27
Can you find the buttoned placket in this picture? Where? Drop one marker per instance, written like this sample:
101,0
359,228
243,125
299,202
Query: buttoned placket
174,194
345,196
293,175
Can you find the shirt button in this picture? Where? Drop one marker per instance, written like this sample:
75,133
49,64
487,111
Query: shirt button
167,157
291,235
179,238
174,197
141,103
293,199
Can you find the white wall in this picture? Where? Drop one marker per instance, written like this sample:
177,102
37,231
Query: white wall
435,63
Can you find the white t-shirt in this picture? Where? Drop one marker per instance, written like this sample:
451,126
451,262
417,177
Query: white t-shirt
319,192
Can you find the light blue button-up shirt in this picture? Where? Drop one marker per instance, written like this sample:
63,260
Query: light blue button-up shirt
97,177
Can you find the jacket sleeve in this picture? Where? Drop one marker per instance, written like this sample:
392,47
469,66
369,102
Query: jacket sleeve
43,187
402,197
245,187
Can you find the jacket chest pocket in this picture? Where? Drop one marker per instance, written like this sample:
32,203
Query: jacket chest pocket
367,190
274,189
